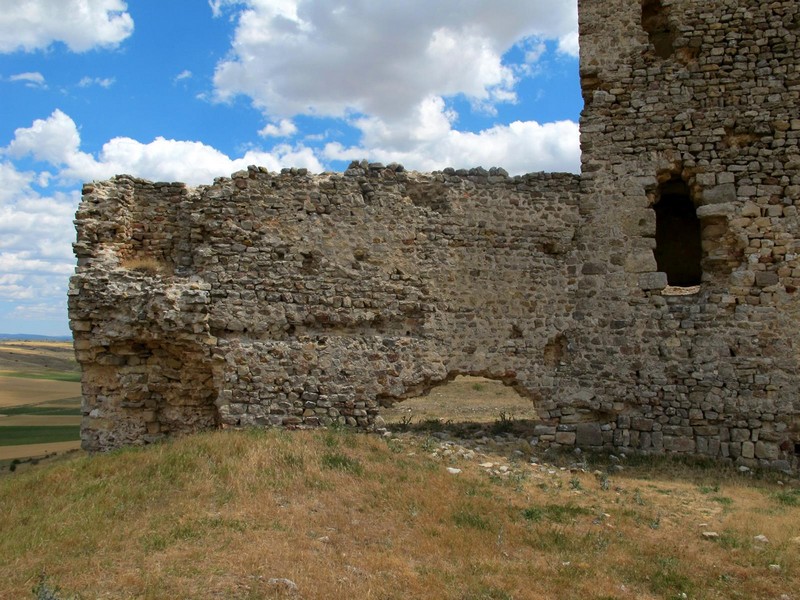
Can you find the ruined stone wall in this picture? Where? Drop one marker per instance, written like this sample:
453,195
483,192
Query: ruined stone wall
288,299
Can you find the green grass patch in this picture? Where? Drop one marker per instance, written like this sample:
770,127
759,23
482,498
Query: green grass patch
669,579
471,519
723,500
38,434
46,411
788,497
557,513
709,489
52,375
339,462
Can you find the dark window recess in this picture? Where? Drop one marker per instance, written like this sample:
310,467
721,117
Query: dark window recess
655,22
678,248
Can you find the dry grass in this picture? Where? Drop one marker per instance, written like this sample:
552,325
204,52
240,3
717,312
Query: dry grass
342,515
144,264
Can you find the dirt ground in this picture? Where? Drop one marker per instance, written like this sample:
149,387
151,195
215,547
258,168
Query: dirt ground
20,390
473,399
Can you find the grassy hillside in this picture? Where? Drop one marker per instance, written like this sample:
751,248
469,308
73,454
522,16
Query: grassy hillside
327,514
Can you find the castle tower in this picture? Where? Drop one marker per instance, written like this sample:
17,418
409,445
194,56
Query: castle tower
691,172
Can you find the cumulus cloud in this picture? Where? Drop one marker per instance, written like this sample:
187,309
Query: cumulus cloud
56,140
390,69
13,182
32,80
568,44
376,58
427,141
283,129
34,265
80,24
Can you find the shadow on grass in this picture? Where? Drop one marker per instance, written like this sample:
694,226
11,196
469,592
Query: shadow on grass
469,430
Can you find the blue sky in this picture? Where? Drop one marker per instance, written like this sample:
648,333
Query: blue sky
187,90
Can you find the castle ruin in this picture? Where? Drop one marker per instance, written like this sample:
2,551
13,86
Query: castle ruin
650,304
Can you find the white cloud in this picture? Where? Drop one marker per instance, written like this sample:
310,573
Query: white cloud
568,44
81,24
36,235
426,141
174,160
56,140
103,82
185,74
389,68
41,311
380,59
283,129
32,80
13,183
216,7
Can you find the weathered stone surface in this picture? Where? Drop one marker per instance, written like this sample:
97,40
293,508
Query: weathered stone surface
653,281
589,434
304,300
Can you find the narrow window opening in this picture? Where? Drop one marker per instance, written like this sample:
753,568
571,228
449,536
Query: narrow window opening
678,243
656,23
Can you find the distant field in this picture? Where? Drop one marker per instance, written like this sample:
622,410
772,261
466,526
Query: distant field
37,434
15,391
37,357
53,376
40,397
473,399
26,420
65,408
9,453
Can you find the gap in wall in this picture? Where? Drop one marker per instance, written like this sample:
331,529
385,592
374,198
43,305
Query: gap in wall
467,407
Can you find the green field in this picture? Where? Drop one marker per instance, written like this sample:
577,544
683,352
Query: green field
67,407
38,434
63,411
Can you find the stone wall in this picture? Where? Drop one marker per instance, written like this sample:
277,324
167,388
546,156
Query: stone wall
297,299
706,93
